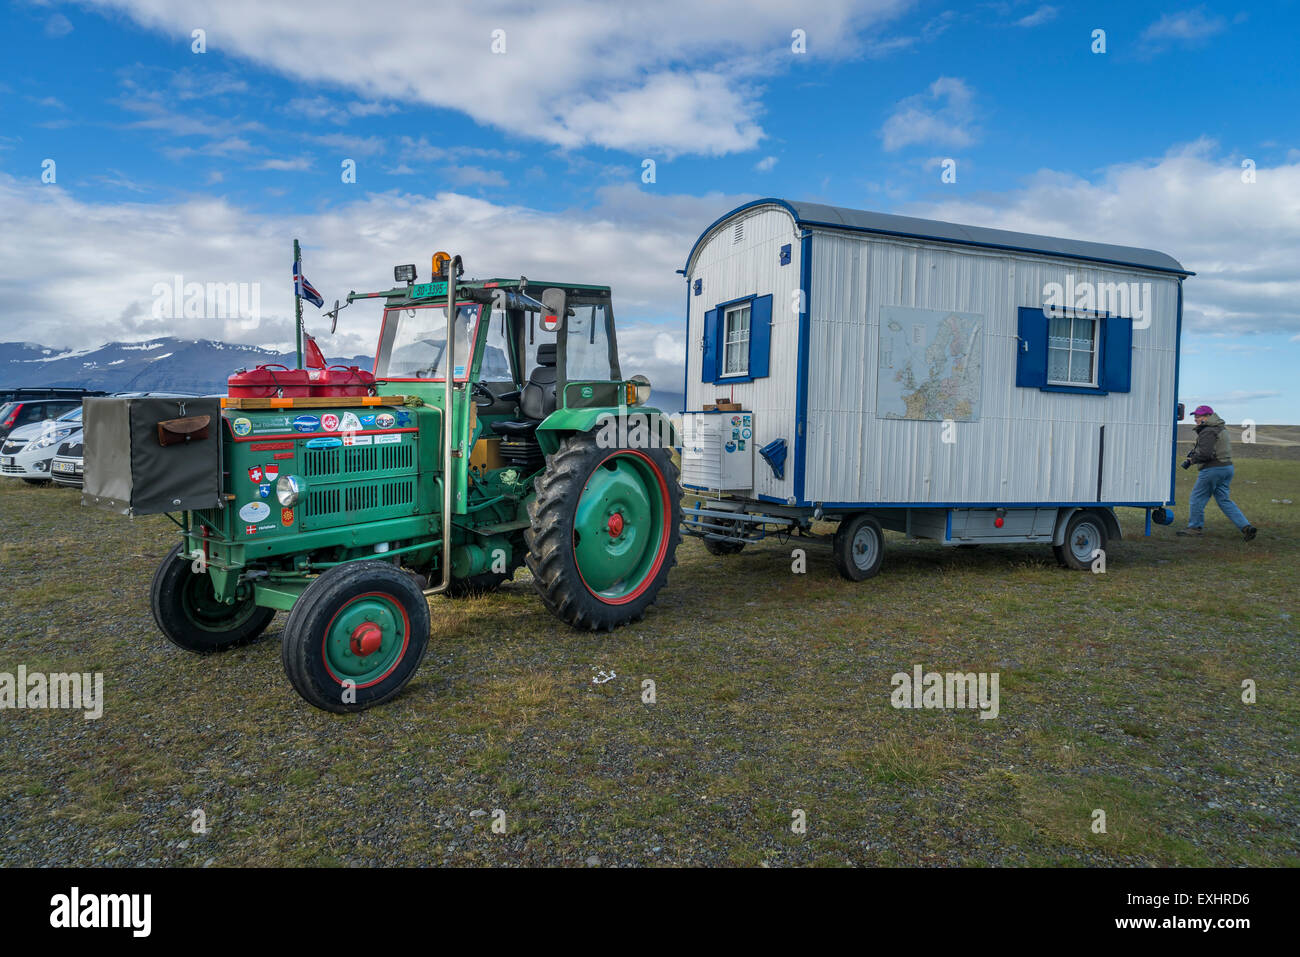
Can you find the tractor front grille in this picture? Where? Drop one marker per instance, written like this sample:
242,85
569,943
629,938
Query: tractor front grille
347,504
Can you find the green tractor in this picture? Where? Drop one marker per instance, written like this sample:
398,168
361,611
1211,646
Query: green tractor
513,441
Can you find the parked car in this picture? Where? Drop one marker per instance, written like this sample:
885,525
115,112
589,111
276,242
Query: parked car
27,450
67,465
24,412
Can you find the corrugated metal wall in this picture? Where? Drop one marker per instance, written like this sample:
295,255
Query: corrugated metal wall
730,269
1028,445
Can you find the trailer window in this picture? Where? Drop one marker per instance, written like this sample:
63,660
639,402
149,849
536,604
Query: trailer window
1072,351
735,355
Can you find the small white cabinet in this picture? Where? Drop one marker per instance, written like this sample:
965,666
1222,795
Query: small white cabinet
718,450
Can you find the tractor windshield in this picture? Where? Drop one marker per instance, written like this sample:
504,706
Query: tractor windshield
413,342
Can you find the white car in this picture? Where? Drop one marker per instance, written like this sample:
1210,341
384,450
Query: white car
27,451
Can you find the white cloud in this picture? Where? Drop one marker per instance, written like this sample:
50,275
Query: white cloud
58,26
106,257
941,116
1189,27
1242,239
673,77
1043,14
472,176
325,108
766,164
297,164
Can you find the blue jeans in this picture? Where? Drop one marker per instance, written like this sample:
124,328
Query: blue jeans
1214,482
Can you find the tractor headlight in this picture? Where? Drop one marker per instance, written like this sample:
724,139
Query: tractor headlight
404,273
288,489
638,390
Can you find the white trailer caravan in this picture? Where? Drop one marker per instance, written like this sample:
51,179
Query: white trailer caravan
951,382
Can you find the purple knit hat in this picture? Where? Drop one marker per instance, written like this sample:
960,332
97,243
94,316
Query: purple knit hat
1202,410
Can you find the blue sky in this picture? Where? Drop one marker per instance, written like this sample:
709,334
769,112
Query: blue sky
530,160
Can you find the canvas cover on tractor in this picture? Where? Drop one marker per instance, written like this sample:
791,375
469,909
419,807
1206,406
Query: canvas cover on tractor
129,469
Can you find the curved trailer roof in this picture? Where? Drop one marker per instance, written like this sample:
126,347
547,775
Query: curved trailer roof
819,216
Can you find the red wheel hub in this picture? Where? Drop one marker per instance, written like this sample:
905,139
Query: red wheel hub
366,639
615,525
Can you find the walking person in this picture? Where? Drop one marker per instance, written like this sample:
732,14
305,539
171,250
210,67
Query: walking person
1213,453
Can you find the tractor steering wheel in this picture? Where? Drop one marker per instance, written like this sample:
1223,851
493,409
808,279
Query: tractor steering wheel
483,397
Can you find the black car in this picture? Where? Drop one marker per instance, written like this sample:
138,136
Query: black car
21,412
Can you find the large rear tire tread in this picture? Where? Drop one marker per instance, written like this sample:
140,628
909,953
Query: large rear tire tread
167,602
304,633
550,555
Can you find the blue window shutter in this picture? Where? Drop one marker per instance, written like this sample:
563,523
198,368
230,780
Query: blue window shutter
1116,354
1031,349
760,336
709,367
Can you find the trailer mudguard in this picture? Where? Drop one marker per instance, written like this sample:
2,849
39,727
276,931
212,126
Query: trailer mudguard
1107,516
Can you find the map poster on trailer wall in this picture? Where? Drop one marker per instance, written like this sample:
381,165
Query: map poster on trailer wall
931,364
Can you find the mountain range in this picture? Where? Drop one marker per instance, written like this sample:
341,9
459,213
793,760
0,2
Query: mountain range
166,364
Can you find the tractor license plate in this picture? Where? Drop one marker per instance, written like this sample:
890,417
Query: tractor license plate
6,460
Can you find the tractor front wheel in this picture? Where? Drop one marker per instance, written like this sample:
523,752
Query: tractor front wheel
604,532
355,636
190,616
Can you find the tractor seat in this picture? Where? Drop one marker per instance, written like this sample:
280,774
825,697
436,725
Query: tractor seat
537,400
518,430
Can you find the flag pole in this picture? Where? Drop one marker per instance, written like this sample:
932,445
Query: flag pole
297,298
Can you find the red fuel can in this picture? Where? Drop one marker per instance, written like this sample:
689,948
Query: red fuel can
270,381
342,382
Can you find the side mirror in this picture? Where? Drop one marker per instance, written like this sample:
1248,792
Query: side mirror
334,317
557,305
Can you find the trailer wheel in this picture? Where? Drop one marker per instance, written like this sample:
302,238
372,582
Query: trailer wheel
604,532
859,547
1085,533
356,636
189,615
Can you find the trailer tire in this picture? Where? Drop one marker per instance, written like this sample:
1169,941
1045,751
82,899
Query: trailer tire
574,530
190,617
355,636
1085,533
859,547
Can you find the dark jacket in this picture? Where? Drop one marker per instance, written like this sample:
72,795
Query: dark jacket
1213,447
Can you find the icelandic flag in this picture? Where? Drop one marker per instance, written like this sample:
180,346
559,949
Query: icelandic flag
301,287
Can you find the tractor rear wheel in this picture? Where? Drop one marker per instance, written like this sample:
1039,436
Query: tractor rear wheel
189,615
355,636
604,533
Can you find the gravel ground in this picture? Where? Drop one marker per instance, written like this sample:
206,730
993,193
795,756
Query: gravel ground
1118,693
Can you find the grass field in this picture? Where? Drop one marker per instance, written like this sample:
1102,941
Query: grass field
1119,692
